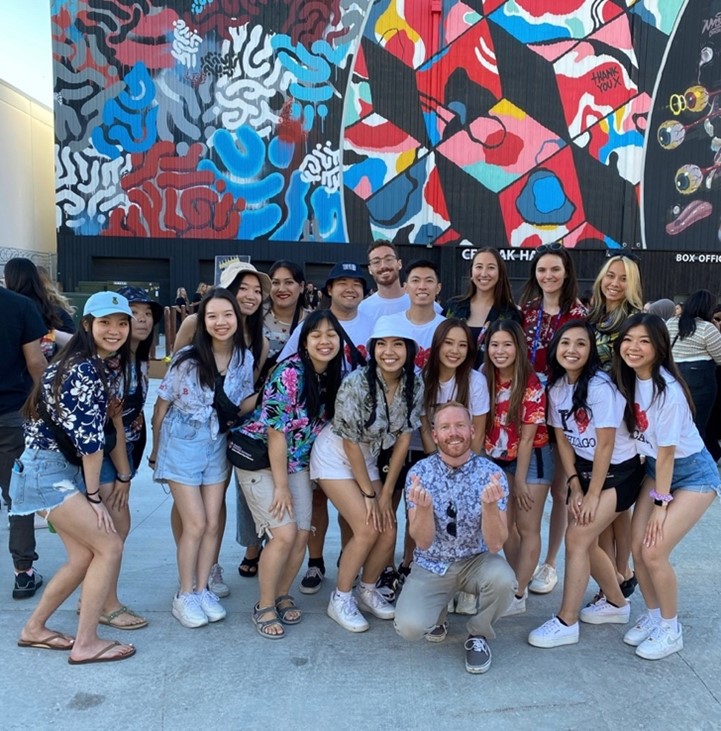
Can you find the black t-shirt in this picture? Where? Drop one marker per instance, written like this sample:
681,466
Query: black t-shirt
21,325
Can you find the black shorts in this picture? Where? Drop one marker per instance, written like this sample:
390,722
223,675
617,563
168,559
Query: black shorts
625,477
384,458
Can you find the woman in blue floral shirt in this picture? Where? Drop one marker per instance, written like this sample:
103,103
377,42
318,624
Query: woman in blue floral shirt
298,400
198,398
58,476
377,408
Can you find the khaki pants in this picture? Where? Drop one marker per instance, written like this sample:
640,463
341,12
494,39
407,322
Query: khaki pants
422,603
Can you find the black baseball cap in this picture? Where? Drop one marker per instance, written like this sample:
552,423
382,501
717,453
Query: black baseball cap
346,269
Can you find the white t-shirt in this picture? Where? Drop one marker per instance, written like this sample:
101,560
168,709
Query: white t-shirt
479,401
664,421
376,306
358,329
606,406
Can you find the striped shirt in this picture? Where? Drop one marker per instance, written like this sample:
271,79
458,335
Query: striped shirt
704,344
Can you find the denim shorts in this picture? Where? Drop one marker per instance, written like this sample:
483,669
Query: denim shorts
108,473
540,468
42,480
697,473
187,452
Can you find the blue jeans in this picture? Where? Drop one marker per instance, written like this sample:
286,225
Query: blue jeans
700,377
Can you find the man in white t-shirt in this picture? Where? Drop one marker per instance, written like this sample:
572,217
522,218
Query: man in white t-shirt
346,286
385,265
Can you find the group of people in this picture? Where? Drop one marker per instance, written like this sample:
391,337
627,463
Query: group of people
470,414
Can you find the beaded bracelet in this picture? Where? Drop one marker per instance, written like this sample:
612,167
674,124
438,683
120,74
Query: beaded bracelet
664,498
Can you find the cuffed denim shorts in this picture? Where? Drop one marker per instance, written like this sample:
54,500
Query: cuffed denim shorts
540,468
187,452
108,473
697,473
43,479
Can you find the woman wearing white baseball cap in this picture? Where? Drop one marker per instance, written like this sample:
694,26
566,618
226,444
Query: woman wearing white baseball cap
377,408
58,476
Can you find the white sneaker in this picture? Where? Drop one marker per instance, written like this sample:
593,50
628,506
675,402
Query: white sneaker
216,583
553,634
518,606
186,609
602,612
466,603
210,605
345,611
640,631
373,601
662,642
544,580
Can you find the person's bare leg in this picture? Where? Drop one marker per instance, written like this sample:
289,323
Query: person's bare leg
528,523
191,512
319,521
213,497
559,513
272,564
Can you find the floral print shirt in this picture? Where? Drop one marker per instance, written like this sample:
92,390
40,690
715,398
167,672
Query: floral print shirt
457,508
116,387
503,435
354,405
80,411
283,410
540,327
183,389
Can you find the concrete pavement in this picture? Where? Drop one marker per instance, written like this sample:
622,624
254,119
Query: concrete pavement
227,676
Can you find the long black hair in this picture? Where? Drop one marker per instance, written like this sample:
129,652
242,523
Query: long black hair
320,389
22,276
590,369
201,350
699,305
80,347
296,272
252,324
625,376
408,377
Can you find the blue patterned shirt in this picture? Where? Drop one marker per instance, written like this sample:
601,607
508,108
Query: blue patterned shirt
457,508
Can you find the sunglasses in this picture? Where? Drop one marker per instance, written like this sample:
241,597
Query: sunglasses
451,513
611,253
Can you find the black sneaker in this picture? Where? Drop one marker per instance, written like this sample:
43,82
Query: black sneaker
27,584
388,584
312,580
478,654
628,586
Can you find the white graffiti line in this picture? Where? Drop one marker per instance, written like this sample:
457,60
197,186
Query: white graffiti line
185,44
322,165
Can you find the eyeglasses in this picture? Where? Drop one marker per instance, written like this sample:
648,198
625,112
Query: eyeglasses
451,513
545,248
384,260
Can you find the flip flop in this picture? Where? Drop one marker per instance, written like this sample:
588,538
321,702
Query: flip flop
109,619
248,568
99,657
47,642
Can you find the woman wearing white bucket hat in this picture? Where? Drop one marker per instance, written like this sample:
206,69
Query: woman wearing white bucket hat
377,408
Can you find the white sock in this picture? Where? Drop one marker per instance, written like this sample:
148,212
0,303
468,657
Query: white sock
343,594
655,614
672,623
366,586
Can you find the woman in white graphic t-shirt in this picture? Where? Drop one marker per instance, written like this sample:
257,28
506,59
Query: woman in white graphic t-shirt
681,476
596,450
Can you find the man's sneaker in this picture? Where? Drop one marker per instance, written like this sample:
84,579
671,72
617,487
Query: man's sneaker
602,612
518,606
553,634
466,603
345,611
388,584
478,654
372,601
312,580
662,642
645,624
26,584
210,605
187,610
216,583
438,633
544,580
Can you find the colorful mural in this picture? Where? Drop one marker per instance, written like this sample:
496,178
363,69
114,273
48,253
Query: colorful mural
506,122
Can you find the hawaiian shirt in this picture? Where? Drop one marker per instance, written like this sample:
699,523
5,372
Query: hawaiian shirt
183,389
80,411
457,508
353,407
284,410
116,388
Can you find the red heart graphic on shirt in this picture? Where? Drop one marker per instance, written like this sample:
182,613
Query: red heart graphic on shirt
582,420
641,418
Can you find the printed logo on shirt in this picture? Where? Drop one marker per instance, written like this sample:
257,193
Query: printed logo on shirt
582,421
422,356
361,349
642,424
581,443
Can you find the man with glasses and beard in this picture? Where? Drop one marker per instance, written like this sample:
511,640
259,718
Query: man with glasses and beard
457,517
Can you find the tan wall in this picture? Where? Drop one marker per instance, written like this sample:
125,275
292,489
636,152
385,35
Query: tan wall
27,178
